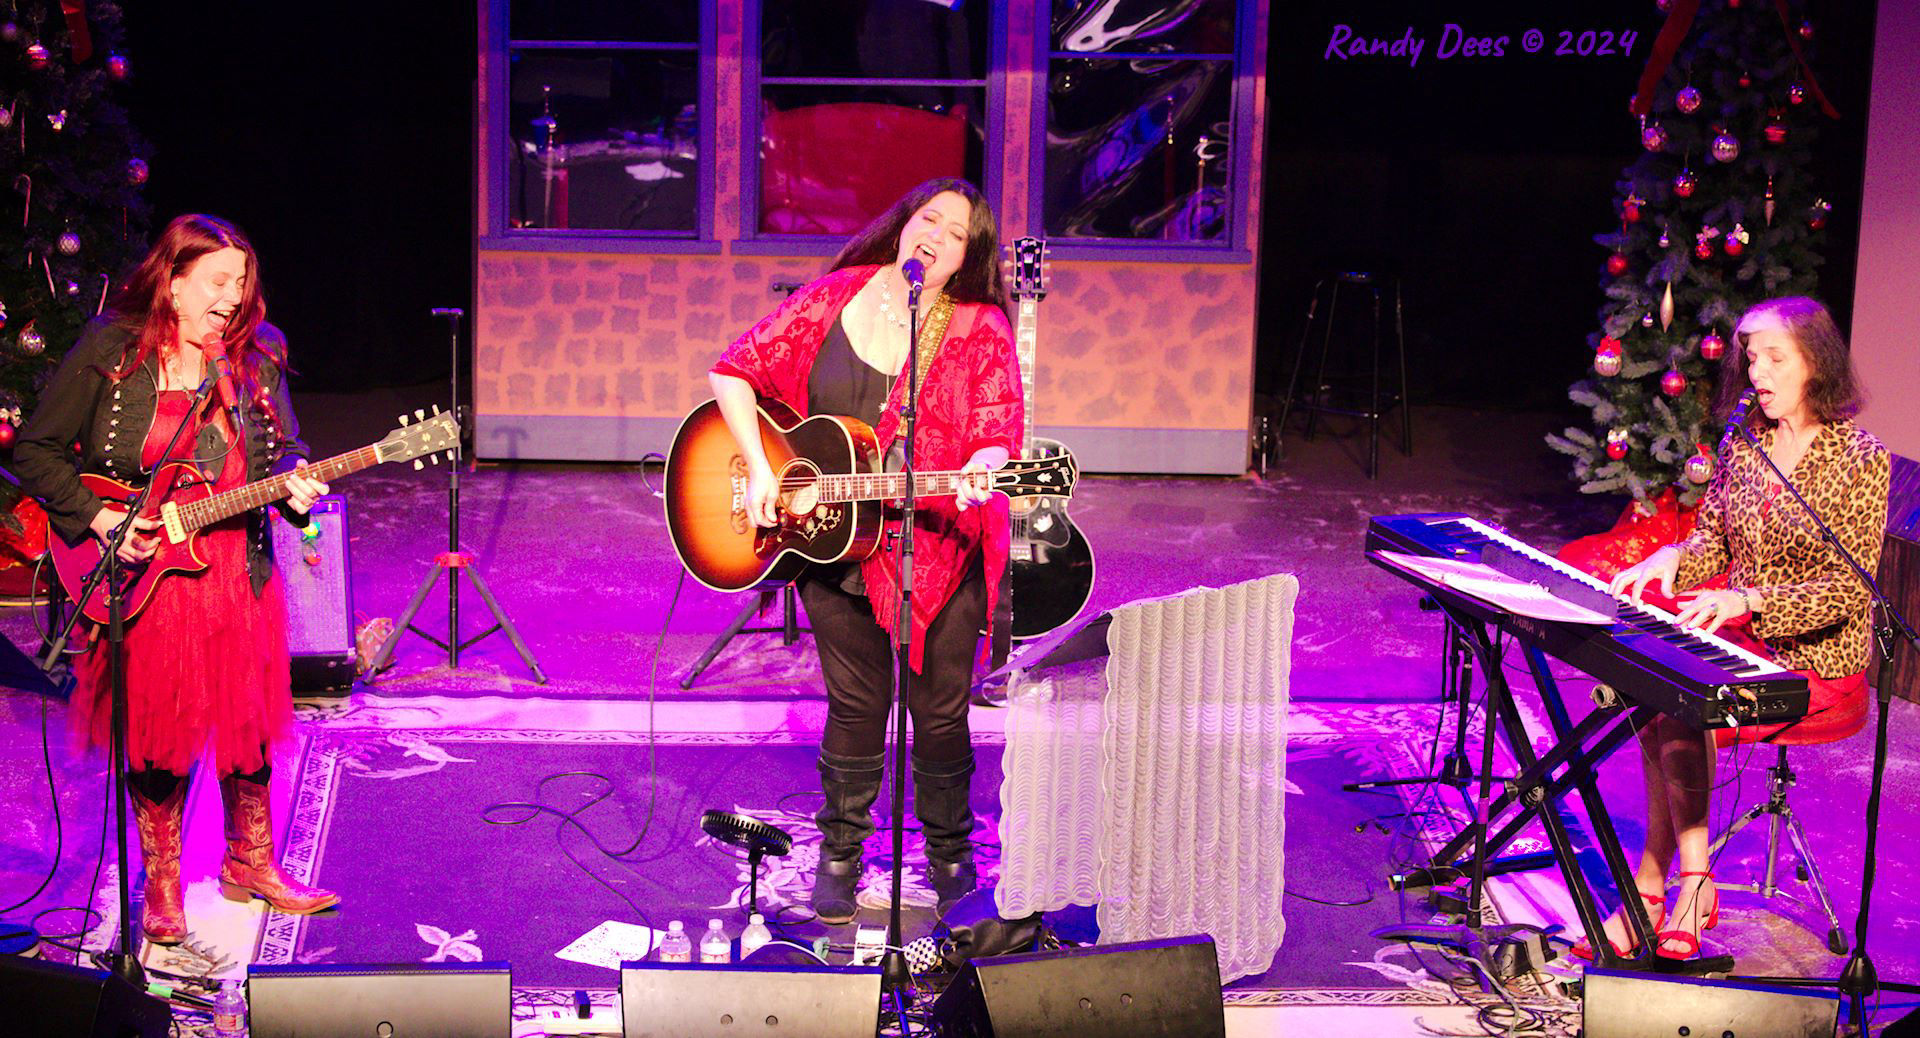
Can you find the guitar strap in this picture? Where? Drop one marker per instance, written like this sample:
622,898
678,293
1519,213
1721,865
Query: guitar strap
933,335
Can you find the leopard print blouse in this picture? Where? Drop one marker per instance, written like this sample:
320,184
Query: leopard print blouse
1814,612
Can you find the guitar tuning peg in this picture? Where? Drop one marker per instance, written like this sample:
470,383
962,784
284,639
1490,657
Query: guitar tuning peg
436,409
436,459
420,413
404,419
417,465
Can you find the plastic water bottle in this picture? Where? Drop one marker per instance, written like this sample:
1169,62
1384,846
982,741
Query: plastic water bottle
676,946
229,1011
755,936
716,947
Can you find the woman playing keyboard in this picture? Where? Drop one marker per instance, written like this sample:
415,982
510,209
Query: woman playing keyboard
1789,596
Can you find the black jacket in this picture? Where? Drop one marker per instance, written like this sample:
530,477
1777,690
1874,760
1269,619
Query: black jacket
109,422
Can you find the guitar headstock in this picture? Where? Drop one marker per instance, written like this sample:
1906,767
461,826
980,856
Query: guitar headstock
1052,476
421,435
1025,267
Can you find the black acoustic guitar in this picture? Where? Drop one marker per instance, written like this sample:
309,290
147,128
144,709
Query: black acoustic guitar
1051,576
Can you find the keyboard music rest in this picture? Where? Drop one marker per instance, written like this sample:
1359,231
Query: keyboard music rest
1702,679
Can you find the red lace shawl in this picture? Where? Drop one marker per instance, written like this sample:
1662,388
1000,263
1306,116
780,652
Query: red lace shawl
970,399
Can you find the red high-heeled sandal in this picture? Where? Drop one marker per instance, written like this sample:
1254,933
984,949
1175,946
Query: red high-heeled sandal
1583,949
1691,940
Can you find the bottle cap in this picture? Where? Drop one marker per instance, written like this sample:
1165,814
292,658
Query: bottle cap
675,927
757,920
713,924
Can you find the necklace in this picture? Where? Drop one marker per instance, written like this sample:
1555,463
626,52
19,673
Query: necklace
886,307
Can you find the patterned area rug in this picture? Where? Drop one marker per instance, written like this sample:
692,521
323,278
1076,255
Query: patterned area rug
427,835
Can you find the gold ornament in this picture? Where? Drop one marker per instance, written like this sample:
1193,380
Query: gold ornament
1666,308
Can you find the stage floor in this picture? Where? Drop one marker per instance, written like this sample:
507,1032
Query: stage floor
578,558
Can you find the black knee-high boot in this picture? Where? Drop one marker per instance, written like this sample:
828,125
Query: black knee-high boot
851,785
941,800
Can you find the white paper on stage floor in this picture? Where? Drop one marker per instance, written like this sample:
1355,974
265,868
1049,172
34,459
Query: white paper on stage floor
610,944
1495,588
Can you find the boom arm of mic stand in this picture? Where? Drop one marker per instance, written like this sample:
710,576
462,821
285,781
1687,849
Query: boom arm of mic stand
57,644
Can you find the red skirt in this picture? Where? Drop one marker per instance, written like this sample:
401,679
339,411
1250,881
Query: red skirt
207,658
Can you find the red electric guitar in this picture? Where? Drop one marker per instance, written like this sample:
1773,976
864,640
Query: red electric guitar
184,502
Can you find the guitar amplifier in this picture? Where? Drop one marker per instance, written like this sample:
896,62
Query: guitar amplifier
317,578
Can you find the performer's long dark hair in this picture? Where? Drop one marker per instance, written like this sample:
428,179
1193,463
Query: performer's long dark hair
977,280
146,302
1833,387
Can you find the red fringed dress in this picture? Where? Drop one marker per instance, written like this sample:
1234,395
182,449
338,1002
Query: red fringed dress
206,659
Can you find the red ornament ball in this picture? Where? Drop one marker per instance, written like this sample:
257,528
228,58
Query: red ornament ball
7,435
1817,222
117,66
1733,245
1630,213
37,57
1699,467
1616,264
1776,133
1712,346
1806,30
1796,94
1653,137
1703,249
1684,185
1673,383
1616,443
1745,81
136,171
1688,99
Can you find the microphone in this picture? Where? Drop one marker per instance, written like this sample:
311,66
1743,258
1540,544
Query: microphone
1738,419
916,273
215,352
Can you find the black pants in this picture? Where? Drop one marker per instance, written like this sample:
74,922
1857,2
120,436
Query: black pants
856,658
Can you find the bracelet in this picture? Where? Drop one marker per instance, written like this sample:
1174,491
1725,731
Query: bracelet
1746,599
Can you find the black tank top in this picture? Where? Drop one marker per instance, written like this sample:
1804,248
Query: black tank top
843,384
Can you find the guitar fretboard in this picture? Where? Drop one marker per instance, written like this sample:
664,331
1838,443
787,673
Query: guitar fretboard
210,510
885,486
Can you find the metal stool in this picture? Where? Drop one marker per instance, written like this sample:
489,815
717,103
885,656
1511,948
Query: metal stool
1779,780
1377,402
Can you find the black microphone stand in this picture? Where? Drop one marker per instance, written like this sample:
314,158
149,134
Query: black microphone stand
1858,979
121,961
894,973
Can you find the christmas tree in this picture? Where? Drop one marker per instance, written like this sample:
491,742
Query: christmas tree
75,167
1718,213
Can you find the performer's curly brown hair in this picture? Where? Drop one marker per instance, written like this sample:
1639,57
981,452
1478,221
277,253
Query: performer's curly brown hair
1833,387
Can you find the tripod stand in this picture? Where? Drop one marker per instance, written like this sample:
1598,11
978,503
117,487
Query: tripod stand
789,629
453,560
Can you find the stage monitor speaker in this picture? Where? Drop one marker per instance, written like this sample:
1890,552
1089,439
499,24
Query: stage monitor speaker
317,577
1620,1004
1137,990
40,999
659,1000
416,1000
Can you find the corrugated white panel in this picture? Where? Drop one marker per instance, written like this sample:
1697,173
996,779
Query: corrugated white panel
1175,825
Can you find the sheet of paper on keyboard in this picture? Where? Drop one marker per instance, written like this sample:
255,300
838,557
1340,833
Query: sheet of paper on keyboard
1496,588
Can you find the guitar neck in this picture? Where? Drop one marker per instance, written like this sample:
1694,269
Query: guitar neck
227,504
1025,338
887,486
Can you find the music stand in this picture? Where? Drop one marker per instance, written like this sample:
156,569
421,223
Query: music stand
757,838
453,560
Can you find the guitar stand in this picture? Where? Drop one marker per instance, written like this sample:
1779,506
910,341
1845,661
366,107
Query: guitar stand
789,629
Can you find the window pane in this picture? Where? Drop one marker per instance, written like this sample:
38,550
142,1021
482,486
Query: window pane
880,39
1138,149
624,151
1134,26
654,21
832,158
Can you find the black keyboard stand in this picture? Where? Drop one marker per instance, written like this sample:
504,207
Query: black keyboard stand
1456,690
1539,793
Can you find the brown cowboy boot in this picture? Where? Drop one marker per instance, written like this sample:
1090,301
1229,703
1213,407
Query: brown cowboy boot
163,910
250,870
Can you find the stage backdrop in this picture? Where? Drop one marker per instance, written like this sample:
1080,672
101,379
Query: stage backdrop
1886,324
618,253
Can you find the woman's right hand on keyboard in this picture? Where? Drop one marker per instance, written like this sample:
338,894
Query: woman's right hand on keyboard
1662,568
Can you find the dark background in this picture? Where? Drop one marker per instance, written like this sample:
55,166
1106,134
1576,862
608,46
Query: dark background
341,140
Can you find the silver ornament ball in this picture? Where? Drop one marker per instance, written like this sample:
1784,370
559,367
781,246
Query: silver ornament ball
69,243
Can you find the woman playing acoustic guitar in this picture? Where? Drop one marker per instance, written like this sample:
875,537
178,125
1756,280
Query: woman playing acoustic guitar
839,346
206,660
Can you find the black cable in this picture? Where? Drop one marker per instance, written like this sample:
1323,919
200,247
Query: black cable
59,832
